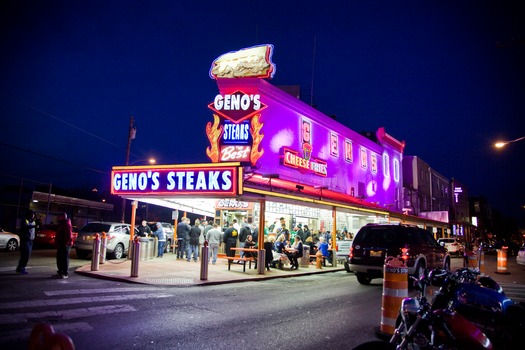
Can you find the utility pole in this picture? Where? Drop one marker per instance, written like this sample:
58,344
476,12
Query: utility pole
131,136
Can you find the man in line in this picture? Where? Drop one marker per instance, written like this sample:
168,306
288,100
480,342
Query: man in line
63,242
193,246
183,232
230,239
27,235
144,229
213,236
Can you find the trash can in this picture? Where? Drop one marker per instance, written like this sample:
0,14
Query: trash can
305,259
144,248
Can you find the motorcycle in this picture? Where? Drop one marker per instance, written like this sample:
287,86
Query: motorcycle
465,313
483,302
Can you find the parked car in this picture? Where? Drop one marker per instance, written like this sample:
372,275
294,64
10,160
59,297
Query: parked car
9,241
168,229
117,238
47,233
374,242
520,258
343,248
452,245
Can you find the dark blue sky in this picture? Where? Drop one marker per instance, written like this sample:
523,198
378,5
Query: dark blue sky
73,72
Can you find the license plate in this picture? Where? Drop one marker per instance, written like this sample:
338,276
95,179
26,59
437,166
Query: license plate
375,253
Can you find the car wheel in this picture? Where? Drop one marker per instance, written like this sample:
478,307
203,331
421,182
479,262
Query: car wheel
363,278
82,254
12,245
118,253
347,267
419,273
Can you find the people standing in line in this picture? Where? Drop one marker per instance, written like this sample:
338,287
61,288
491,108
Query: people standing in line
208,225
236,225
213,236
243,234
230,240
201,236
193,246
27,235
63,243
255,232
183,231
161,235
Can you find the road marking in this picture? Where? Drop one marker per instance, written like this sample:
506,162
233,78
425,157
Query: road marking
64,314
69,301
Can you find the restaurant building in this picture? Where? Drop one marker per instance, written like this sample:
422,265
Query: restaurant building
273,156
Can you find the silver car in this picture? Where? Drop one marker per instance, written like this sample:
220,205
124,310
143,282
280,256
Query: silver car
9,241
117,234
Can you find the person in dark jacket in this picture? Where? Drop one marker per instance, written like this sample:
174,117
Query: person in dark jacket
268,254
27,235
193,246
243,234
144,229
63,243
183,231
230,240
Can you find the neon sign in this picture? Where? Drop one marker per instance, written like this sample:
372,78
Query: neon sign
176,180
293,160
238,106
235,153
255,61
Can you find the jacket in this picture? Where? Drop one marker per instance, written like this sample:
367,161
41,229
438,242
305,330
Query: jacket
230,235
183,231
161,235
195,233
64,236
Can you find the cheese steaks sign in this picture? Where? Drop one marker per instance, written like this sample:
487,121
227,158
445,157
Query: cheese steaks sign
211,180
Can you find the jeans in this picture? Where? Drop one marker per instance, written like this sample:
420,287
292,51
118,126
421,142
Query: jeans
63,260
214,250
180,248
25,252
161,248
193,249
241,245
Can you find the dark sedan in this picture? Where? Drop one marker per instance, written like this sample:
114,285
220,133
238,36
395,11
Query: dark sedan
45,237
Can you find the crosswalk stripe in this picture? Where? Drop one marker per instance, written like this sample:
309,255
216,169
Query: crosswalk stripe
69,301
64,314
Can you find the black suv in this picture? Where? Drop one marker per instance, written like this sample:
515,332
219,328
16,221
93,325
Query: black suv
373,243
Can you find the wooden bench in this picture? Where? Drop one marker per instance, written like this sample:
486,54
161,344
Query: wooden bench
242,260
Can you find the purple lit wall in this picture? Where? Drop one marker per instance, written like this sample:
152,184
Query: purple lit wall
305,146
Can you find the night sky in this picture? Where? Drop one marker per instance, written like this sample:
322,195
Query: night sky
447,77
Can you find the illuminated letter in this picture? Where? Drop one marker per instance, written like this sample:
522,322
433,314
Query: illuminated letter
256,102
180,179
171,180
226,177
143,181
218,102
155,178
117,182
201,181
213,183
190,180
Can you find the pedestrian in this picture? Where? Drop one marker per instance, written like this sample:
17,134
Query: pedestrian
161,235
63,243
268,251
230,240
183,231
144,229
202,238
213,236
296,253
27,235
193,246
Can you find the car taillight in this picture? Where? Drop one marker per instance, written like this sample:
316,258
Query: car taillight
405,253
351,253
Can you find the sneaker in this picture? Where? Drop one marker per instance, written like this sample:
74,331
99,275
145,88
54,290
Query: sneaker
22,272
64,276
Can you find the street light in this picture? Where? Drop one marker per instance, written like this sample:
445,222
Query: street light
501,144
150,160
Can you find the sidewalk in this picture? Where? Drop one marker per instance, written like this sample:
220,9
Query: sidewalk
170,271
